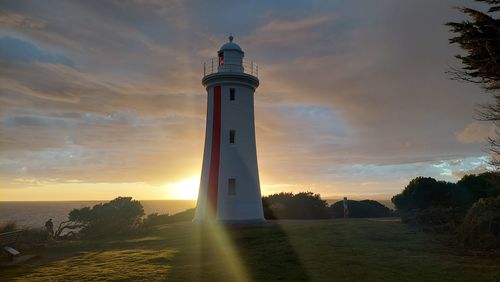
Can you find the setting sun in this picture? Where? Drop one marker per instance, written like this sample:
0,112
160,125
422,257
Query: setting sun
186,189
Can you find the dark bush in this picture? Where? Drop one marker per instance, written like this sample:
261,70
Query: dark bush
409,217
303,205
481,226
439,219
33,237
186,215
119,216
424,192
29,237
8,227
442,206
360,209
471,188
155,219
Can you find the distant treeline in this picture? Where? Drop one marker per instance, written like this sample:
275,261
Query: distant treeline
307,205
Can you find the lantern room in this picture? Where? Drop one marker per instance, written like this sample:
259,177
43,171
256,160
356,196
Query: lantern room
230,57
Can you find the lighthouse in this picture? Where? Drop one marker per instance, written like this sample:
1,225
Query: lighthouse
229,185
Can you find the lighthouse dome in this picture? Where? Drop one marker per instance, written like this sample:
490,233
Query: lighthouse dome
230,46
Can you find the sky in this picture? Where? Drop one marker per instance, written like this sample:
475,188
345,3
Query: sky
100,99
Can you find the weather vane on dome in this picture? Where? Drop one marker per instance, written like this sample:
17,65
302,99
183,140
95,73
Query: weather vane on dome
231,38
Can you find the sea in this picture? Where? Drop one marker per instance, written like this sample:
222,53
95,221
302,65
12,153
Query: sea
35,214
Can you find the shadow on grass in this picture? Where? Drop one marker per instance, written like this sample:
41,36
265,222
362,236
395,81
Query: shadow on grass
271,255
177,252
237,253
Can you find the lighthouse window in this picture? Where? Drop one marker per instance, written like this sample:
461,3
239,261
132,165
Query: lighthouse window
231,94
232,136
231,186
221,58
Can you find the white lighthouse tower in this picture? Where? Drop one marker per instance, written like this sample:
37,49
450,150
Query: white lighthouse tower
229,186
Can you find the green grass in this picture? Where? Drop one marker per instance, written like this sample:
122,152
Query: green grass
325,250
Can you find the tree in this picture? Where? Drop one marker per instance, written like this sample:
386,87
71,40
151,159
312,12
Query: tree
118,216
480,39
303,205
471,188
422,193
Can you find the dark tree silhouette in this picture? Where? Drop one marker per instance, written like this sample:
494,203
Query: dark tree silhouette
303,205
471,188
479,37
425,192
119,216
422,193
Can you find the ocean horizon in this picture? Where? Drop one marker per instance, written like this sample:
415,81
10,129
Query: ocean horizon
32,214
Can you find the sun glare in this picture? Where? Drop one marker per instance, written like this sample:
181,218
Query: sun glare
186,189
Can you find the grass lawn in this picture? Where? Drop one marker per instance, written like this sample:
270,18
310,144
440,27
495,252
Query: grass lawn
323,250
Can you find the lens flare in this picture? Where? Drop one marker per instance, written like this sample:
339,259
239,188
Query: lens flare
186,189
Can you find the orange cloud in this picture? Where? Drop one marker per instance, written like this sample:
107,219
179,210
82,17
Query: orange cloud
476,132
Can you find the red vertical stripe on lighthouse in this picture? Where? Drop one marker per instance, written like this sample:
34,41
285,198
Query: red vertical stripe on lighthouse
213,179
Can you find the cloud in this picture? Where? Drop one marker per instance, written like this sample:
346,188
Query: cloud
476,132
285,32
86,92
119,147
353,95
13,50
19,20
473,168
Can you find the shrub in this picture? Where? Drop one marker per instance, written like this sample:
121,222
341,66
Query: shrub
119,216
8,227
186,215
360,209
481,226
439,219
441,206
29,237
33,236
423,192
155,219
471,188
303,205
